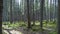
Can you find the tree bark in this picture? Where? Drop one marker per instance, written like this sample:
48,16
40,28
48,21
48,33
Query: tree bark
28,15
11,11
41,13
33,14
58,17
1,9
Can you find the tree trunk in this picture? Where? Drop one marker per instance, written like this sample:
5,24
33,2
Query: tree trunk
41,13
58,17
28,15
33,14
11,11
1,9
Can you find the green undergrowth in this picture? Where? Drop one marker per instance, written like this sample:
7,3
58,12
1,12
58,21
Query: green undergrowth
36,27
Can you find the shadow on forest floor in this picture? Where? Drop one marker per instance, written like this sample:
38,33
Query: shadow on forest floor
21,30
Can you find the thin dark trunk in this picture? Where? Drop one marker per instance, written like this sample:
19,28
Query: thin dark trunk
58,17
50,10
28,15
46,13
41,13
33,14
54,13
1,9
11,11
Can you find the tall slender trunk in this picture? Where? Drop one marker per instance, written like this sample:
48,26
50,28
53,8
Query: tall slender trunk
41,13
28,15
1,9
58,17
46,13
50,10
11,11
33,14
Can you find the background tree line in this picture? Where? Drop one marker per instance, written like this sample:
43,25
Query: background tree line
19,10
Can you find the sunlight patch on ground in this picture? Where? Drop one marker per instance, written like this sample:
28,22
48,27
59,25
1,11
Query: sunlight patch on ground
5,31
13,32
16,32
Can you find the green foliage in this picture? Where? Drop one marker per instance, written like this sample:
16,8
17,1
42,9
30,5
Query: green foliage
53,32
35,28
14,25
5,23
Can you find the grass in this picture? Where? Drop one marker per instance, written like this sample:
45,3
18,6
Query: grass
36,27
53,32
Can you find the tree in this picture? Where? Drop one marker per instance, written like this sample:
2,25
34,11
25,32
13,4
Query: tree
11,11
58,17
33,14
1,9
28,16
41,13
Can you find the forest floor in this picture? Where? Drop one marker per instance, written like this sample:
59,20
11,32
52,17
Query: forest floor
22,31
21,28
